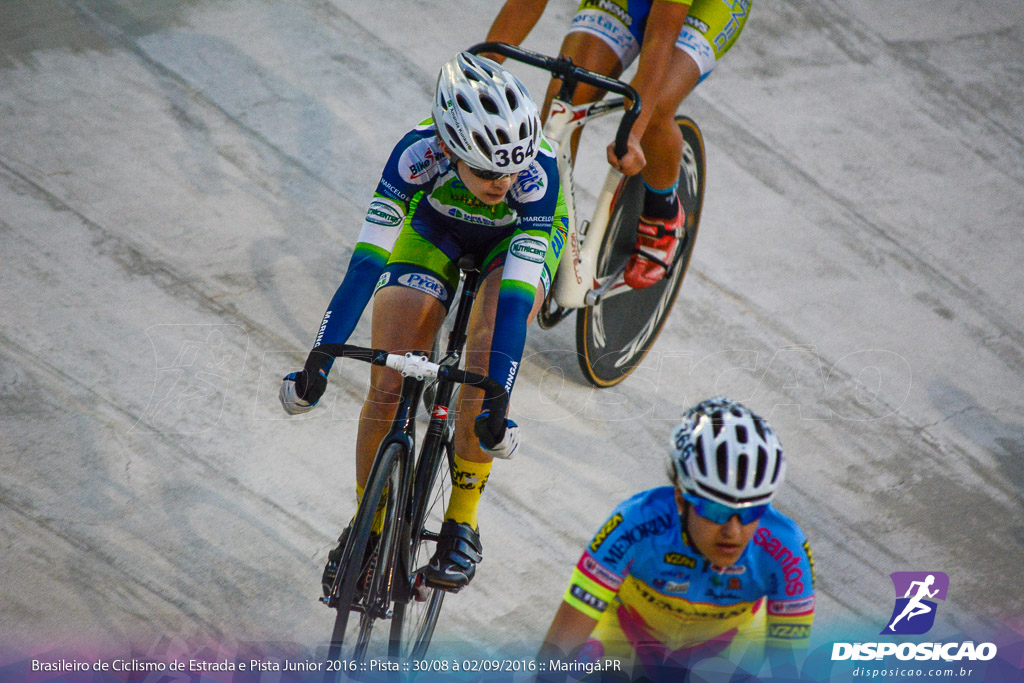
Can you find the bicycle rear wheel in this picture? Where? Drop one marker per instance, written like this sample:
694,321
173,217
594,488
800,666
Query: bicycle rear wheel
412,626
366,566
613,336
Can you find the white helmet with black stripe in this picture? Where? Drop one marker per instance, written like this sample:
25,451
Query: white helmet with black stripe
485,115
725,452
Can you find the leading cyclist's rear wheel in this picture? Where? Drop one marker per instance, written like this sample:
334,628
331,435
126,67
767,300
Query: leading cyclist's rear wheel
366,565
613,336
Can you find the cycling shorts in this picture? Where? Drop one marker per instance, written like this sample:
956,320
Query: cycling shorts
710,29
425,256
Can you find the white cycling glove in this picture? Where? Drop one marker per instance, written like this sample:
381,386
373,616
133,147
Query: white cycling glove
289,395
505,448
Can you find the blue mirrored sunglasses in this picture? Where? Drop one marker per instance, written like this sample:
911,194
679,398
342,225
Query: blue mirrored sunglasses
717,513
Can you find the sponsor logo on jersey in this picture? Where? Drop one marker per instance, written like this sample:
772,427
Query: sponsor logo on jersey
528,248
384,212
652,527
696,23
608,527
511,376
382,280
425,283
682,560
558,236
691,609
733,26
791,607
734,584
677,586
531,184
588,598
596,571
418,162
395,192
611,7
323,327
789,631
787,560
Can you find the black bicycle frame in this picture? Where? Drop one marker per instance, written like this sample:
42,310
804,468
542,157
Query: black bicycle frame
437,440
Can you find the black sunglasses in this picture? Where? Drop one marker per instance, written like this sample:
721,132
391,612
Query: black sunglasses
489,176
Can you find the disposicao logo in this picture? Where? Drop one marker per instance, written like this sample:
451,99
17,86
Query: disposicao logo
916,593
914,614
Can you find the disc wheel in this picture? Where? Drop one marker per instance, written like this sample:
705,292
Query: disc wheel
614,335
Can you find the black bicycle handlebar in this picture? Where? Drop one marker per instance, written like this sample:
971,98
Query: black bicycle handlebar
494,393
562,67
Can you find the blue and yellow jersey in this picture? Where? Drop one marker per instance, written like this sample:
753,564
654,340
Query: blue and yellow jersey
645,583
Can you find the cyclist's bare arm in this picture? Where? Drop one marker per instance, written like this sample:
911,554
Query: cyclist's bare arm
514,22
569,629
656,56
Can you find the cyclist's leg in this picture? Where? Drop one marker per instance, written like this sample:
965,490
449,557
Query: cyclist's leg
459,548
590,52
404,319
662,141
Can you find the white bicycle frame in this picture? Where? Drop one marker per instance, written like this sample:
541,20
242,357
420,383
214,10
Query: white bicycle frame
576,284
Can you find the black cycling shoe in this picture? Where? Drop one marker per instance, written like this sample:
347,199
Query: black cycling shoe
454,562
334,559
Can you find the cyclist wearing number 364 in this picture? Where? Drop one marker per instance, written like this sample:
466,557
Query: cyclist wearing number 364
477,179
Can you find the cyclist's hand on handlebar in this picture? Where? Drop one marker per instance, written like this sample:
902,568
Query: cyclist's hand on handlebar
502,445
296,396
634,160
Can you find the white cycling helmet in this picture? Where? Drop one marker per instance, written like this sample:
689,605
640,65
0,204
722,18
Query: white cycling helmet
725,452
485,115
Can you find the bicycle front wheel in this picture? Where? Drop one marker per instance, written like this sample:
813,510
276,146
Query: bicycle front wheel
414,621
367,564
613,336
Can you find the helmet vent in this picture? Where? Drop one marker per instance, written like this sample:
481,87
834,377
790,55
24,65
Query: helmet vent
702,465
482,144
762,466
742,463
760,429
722,456
716,423
463,103
490,136
490,106
452,135
503,137
741,434
522,131
470,75
778,466
513,101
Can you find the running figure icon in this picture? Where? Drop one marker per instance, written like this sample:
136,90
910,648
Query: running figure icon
915,607
917,594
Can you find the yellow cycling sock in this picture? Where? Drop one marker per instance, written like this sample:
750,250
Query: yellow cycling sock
378,519
468,481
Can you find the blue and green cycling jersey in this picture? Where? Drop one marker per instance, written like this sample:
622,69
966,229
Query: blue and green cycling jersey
423,219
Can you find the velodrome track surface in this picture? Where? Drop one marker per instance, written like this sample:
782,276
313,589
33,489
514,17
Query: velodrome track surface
181,184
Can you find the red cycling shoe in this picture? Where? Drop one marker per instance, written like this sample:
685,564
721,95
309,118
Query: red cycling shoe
657,242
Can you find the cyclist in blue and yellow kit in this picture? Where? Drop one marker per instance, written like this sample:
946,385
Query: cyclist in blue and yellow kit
678,43
479,179
683,572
